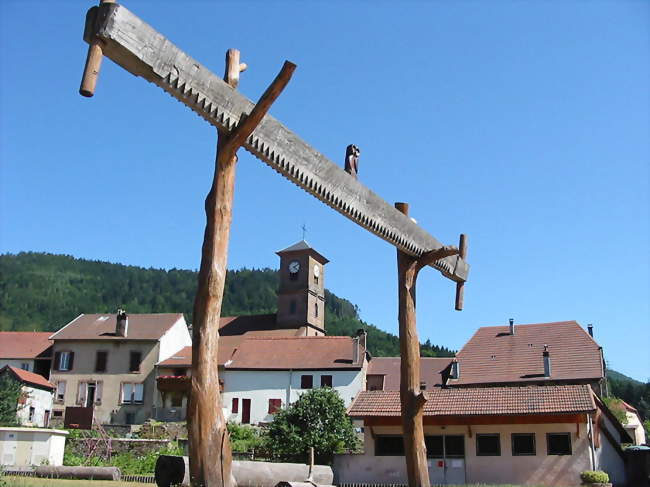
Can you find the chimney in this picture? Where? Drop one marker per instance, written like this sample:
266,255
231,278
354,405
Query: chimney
590,328
355,350
363,338
547,361
512,326
122,325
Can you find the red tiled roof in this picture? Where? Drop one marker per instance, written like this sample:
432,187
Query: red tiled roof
102,327
430,368
300,353
493,356
28,377
481,401
183,358
258,324
25,344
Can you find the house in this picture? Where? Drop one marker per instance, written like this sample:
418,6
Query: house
634,425
260,375
107,361
26,350
473,435
542,353
35,403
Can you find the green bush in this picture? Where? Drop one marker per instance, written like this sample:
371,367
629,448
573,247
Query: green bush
594,477
244,438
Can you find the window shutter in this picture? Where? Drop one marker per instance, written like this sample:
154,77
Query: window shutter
100,361
127,390
134,363
81,393
71,361
235,405
98,392
57,360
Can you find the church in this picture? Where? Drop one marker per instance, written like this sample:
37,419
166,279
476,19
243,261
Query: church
266,361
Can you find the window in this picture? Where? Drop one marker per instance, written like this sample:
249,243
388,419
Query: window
63,361
306,381
89,393
274,405
101,357
130,418
60,391
24,365
374,382
292,307
132,393
423,386
177,400
32,410
558,443
435,448
316,310
326,381
523,444
235,405
454,446
134,361
315,279
57,413
488,445
389,446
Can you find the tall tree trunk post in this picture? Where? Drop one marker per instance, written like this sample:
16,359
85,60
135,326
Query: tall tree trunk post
209,445
412,399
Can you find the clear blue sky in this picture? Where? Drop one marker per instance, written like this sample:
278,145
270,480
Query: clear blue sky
523,124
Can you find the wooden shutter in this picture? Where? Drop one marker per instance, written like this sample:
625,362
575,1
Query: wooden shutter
235,405
71,360
274,405
98,392
57,360
134,363
81,393
100,361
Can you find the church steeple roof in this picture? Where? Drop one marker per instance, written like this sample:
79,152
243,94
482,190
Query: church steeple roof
302,246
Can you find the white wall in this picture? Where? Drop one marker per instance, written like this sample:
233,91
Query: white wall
261,385
177,337
31,446
540,469
17,363
41,401
607,458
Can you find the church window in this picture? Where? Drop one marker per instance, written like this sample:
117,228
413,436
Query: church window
316,310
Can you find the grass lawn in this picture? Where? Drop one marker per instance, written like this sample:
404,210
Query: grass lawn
36,482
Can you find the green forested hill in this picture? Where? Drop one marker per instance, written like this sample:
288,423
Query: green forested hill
45,291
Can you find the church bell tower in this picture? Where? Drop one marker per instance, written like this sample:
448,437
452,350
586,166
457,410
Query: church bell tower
301,298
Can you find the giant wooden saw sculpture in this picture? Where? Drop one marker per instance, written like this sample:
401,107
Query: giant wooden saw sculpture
115,32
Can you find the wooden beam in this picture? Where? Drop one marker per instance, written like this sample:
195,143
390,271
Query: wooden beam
93,59
411,398
460,285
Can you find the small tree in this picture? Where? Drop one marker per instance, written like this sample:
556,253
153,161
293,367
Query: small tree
10,392
317,419
615,405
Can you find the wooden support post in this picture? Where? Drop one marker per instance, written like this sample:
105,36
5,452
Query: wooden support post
93,63
460,286
209,446
412,399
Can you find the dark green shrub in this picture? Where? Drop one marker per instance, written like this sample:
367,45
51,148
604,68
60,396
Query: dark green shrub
594,477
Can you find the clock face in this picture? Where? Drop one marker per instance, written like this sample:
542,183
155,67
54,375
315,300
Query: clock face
316,270
294,266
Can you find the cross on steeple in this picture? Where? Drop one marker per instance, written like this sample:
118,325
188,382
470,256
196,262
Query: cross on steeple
304,231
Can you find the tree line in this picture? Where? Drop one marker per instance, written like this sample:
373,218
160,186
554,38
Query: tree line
43,292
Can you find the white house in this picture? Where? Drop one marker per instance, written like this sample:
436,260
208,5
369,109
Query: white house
258,375
34,406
